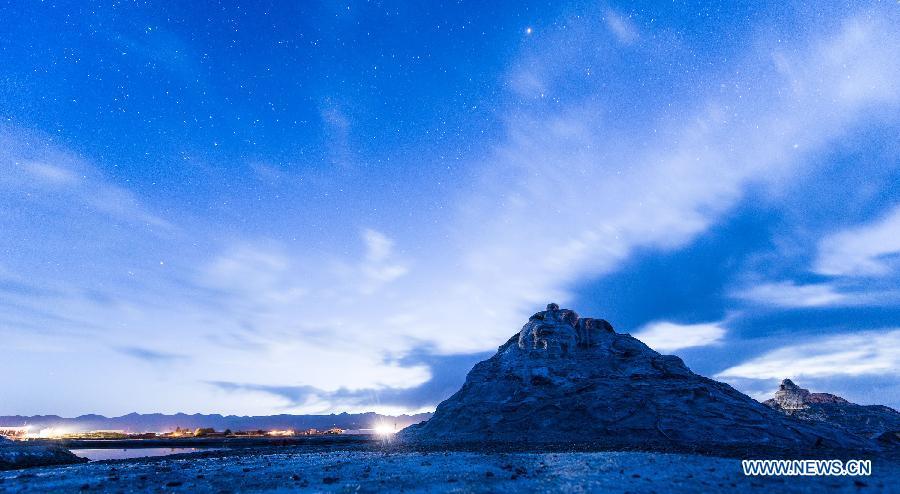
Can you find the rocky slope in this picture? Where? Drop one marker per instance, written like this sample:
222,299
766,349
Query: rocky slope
16,454
870,421
565,379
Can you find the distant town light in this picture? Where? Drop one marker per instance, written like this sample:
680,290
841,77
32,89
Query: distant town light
49,433
384,430
15,432
287,432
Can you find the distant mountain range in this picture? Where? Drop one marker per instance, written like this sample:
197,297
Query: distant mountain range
158,422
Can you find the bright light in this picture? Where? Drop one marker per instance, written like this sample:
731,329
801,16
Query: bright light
48,433
384,430
281,433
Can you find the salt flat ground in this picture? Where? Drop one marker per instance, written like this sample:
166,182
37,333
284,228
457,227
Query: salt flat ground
283,470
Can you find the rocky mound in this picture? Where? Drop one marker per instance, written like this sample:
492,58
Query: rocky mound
869,421
565,379
792,397
18,454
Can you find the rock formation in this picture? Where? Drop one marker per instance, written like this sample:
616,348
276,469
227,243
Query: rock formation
19,454
792,397
564,379
869,421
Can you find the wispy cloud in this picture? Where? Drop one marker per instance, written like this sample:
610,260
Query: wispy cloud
624,30
554,59
40,172
447,373
259,275
265,279
859,261
49,173
666,336
854,354
790,294
866,250
380,265
152,356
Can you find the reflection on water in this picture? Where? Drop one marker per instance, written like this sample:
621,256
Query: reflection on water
121,454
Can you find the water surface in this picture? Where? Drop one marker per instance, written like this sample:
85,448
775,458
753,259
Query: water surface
96,454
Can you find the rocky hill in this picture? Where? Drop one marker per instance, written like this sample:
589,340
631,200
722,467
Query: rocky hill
16,454
870,421
566,379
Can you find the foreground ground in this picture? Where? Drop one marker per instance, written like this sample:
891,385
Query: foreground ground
290,469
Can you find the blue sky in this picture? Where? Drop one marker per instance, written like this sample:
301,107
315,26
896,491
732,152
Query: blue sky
316,207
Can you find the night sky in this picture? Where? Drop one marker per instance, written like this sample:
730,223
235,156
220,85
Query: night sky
303,207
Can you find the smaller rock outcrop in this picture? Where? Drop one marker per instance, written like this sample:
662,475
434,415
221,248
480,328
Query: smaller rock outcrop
869,421
23,454
792,397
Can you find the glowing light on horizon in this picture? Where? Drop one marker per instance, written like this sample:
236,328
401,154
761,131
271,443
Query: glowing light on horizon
48,433
281,433
385,430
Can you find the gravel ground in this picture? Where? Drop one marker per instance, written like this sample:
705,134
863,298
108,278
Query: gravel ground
282,470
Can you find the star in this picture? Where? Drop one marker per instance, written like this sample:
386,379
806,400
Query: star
528,30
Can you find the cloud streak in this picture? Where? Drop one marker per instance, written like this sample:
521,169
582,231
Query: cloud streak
790,294
666,336
854,354
33,168
152,356
624,30
447,375
866,250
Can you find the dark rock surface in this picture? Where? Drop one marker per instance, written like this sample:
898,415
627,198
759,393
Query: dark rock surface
869,421
568,379
23,454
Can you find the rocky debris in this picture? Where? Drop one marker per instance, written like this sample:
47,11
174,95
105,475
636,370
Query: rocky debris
566,379
23,454
869,421
274,471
